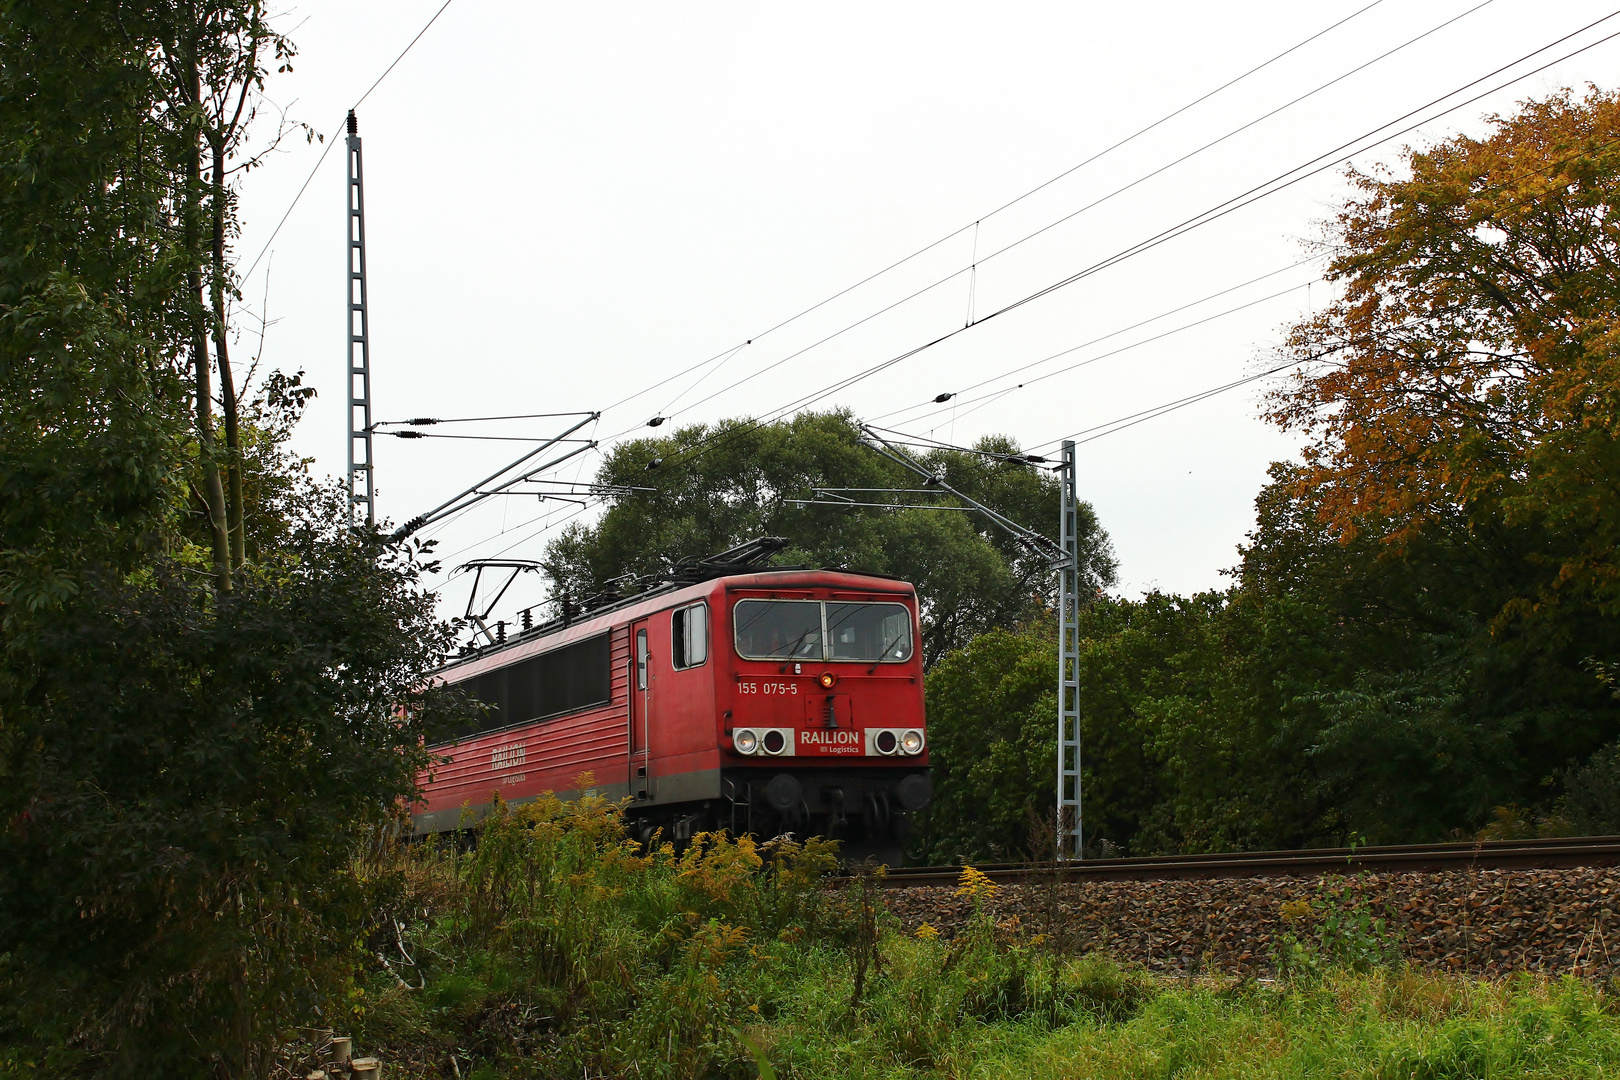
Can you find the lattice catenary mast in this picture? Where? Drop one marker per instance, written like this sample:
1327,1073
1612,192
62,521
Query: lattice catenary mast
1070,823
362,491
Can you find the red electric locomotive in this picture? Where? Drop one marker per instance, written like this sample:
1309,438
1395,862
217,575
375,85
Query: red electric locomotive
763,702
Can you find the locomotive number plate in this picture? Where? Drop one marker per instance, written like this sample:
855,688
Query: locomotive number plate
751,686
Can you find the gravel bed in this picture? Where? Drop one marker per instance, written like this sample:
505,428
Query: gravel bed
1486,922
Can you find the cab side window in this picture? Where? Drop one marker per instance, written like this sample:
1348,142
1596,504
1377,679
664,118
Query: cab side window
689,636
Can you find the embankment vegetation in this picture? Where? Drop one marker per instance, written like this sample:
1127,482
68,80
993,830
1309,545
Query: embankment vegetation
555,948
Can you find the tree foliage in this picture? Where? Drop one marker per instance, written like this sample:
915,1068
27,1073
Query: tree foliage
1475,374
185,785
210,691
1336,690
712,488
89,268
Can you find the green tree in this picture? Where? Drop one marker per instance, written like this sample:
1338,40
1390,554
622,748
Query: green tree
1179,750
1464,445
715,487
1424,712
91,341
1338,688
186,785
192,744
991,735
1420,628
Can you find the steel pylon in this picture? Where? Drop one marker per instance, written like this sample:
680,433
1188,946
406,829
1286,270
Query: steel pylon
1070,819
362,476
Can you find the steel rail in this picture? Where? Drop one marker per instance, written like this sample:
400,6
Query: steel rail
1557,853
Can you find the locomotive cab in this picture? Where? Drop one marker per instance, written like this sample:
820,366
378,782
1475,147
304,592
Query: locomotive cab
822,721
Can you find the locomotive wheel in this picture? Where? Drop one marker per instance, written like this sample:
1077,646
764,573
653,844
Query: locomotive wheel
879,815
646,830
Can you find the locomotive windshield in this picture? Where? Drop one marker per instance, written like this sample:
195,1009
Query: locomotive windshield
812,630
779,629
868,632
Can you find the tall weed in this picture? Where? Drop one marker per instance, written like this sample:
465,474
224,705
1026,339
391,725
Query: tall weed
1338,929
556,936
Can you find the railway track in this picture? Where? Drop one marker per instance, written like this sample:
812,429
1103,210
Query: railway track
1548,854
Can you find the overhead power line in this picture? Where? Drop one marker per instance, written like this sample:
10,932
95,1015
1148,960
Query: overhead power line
727,355
956,395
981,260
1097,431
478,438
1009,204
1122,423
329,142
1281,182
427,421
985,399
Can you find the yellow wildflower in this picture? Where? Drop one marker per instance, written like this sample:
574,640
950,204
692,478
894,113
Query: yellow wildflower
1294,910
975,885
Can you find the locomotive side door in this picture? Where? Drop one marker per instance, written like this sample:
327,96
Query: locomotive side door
641,778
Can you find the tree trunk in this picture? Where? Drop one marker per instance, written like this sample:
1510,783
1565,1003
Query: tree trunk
227,384
213,491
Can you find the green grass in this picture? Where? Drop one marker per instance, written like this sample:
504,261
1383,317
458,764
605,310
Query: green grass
556,950
1385,1025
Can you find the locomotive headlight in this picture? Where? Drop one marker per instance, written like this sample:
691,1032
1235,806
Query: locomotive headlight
827,680
745,741
911,742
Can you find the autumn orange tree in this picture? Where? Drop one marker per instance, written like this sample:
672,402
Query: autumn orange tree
1471,372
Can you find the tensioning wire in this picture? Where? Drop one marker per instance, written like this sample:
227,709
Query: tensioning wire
1112,334
329,143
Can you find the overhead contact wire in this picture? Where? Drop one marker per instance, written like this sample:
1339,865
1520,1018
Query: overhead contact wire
1006,205
1214,213
970,269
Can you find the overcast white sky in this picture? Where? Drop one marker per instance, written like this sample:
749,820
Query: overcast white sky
569,202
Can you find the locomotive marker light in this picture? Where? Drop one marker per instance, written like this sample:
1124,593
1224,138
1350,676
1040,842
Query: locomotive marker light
894,742
770,742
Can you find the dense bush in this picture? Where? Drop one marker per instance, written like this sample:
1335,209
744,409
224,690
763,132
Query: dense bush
187,778
1336,689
